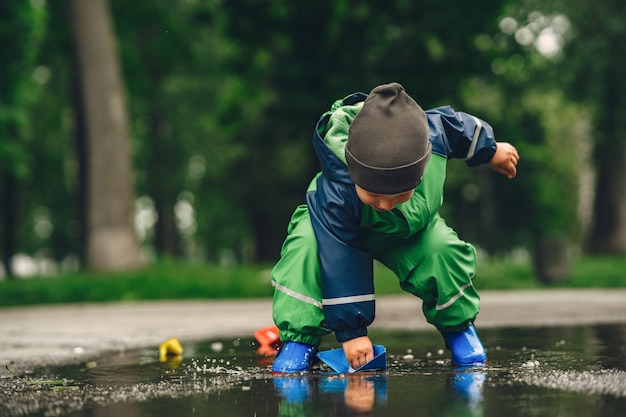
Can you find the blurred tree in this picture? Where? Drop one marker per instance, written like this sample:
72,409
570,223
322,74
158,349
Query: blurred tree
582,42
187,105
22,27
162,151
524,99
222,97
111,240
51,217
594,72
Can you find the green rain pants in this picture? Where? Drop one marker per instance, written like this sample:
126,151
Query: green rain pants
433,264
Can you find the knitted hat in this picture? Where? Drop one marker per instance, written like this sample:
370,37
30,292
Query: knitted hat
388,147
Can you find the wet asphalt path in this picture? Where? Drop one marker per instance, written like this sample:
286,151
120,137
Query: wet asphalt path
75,333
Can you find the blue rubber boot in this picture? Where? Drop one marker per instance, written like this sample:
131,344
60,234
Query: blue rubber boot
466,347
294,357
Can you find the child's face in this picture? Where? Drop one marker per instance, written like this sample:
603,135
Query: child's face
382,202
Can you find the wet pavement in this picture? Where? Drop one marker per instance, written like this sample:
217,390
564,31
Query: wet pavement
574,371
77,333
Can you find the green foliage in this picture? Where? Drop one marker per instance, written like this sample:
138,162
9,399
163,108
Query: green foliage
170,280
22,27
188,108
223,94
593,74
522,99
165,279
49,207
554,162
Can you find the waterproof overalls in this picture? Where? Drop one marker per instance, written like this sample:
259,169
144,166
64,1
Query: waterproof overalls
323,281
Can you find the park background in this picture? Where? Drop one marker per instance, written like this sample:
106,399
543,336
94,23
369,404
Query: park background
156,149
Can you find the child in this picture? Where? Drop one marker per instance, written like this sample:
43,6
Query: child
377,197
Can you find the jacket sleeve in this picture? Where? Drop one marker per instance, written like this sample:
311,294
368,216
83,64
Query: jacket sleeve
346,269
460,135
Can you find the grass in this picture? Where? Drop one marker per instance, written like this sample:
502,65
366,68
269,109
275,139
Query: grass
169,279
499,274
162,280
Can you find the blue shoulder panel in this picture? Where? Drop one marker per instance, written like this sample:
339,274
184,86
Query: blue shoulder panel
460,135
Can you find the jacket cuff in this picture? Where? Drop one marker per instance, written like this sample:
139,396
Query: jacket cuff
483,156
349,334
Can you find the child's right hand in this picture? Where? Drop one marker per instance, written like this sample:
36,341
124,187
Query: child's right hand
358,351
505,159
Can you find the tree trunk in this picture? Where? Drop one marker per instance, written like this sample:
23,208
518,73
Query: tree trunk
161,188
111,240
552,258
608,229
9,222
166,239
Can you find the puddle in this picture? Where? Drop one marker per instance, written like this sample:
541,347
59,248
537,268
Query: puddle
572,371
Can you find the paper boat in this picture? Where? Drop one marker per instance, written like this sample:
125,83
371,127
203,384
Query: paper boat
336,359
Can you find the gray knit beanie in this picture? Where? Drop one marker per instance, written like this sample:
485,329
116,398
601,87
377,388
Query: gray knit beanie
388,147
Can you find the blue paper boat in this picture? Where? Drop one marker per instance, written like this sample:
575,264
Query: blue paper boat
336,359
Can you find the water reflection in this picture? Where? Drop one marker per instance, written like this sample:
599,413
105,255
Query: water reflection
467,389
351,394
358,394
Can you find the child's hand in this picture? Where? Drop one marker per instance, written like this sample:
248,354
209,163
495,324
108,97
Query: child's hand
358,351
505,159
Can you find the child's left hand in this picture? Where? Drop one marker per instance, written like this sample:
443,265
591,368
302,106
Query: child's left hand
505,159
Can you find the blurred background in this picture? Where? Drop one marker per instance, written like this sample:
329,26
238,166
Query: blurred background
132,132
